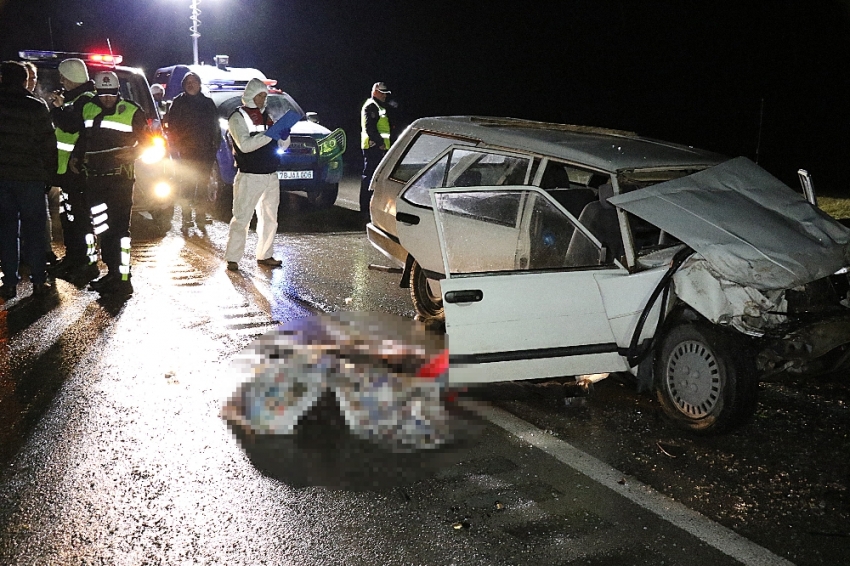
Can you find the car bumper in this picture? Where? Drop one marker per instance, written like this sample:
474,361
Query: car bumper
386,244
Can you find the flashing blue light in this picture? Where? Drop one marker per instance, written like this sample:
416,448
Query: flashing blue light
280,151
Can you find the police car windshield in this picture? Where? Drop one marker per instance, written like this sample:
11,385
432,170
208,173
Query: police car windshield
133,86
277,104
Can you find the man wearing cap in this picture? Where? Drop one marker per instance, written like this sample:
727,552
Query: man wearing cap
115,135
67,114
27,161
374,138
256,186
194,136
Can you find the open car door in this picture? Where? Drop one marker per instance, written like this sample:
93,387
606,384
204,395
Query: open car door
526,306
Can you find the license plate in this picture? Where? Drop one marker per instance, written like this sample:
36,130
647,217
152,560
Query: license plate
286,175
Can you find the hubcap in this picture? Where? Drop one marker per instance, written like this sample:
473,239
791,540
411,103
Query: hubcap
693,379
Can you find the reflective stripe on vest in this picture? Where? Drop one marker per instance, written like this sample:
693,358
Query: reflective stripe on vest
66,141
108,124
383,124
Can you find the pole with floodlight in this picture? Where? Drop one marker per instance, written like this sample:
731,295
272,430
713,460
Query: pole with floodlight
194,29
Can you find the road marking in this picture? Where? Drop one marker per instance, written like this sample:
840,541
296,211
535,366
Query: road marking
725,540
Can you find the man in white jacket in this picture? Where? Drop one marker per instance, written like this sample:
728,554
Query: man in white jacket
256,186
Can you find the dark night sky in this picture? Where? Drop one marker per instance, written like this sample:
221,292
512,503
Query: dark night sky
690,72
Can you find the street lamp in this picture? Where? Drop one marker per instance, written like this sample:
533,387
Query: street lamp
194,29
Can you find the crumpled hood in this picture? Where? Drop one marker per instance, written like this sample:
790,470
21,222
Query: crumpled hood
747,224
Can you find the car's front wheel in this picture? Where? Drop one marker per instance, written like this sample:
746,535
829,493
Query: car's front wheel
426,294
706,383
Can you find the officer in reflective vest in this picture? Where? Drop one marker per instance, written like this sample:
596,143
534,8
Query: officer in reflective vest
67,115
115,134
374,138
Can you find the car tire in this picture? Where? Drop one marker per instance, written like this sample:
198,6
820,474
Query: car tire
324,196
426,295
705,381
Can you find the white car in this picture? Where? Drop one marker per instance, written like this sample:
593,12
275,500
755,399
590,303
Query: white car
567,251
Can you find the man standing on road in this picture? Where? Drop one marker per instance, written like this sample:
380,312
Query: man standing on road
256,185
194,137
374,139
115,134
27,161
67,114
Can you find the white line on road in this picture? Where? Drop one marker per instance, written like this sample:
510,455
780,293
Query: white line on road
698,525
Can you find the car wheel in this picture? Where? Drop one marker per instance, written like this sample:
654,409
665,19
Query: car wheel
215,185
324,196
426,294
705,382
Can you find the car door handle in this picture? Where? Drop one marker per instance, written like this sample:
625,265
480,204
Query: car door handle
465,296
407,218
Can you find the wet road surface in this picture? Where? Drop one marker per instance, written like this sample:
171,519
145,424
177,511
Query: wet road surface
113,452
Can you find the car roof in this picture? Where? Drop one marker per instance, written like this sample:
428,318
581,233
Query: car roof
604,149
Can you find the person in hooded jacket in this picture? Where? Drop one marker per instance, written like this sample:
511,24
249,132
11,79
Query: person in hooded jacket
27,161
67,115
194,137
256,186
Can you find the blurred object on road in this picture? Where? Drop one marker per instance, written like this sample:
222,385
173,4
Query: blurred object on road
386,372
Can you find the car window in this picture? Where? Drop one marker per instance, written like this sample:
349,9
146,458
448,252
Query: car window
133,87
425,148
511,230
469,168
572,187
473,168
480,230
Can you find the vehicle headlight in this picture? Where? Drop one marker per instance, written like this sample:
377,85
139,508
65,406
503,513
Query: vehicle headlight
222,123
155,152
162,189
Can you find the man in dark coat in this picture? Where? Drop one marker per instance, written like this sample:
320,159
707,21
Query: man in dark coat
27,161
194,136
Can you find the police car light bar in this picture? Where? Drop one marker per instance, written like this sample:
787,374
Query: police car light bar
98,58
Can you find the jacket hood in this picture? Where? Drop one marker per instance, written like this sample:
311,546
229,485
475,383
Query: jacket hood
749,226
252,89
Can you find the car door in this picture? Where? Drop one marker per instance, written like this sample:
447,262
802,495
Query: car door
457,166
517,310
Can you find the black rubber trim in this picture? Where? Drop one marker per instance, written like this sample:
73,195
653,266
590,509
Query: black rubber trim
542,353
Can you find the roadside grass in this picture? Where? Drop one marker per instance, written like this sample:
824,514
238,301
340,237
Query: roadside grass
836,207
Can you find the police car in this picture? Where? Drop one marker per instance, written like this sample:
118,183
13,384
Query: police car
313,161
153,196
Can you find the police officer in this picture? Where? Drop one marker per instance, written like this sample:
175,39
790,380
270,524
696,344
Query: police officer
114,135
374,138
67,113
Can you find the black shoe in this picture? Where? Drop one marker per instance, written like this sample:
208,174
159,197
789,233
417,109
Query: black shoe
102,282
66,266
41,289
117,287
232,266
8,292
270,262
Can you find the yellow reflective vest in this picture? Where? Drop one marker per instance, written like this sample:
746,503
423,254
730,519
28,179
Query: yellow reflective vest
383,124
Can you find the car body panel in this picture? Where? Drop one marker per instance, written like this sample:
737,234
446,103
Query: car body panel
520,324
751,228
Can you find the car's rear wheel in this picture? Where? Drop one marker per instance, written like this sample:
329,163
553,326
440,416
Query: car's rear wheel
324,195
705,382
426,294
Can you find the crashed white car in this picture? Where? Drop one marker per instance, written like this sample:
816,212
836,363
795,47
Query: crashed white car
697,274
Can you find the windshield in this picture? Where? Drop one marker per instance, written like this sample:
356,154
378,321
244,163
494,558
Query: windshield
134,87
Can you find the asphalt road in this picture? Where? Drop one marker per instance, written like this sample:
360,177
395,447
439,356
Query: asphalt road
113,451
